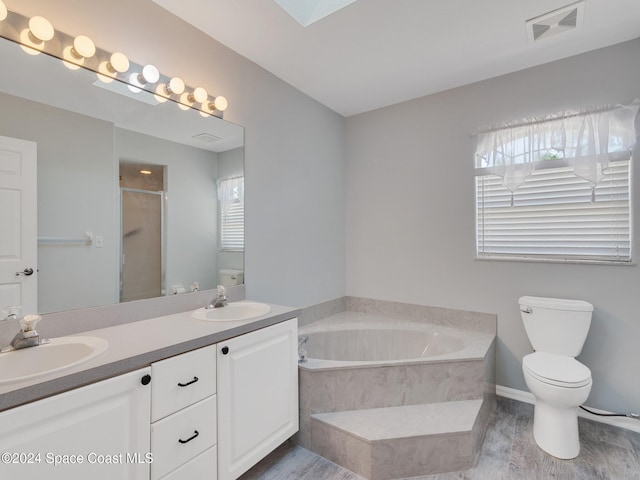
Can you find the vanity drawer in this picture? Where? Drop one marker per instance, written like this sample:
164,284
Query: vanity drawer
181,437
182,381
204,465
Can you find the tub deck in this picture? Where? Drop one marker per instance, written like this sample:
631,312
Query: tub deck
476,344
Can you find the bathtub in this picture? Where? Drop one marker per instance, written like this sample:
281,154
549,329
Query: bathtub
353,339
358,360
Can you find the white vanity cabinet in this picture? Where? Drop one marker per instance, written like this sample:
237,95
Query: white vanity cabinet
97,432
257,396
184,416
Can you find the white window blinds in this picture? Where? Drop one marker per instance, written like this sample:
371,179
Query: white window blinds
231,198
555,215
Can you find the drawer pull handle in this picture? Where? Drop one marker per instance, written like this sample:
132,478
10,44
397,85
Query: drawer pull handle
195,434
195,379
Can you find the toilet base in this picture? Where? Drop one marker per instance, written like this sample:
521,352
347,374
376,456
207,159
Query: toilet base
555,430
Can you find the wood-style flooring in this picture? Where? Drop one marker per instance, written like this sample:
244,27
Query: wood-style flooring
508,452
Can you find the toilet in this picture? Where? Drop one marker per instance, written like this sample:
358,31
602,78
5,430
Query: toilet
557,330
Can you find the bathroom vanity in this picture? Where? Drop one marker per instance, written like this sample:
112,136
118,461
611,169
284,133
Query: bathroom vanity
209,407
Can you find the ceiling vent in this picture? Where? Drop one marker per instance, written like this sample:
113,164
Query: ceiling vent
207,137
553,23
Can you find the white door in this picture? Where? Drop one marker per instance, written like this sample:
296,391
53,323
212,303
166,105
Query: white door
18,224
257,396
97,432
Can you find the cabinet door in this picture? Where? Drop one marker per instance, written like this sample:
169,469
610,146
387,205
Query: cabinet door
257,396
97,432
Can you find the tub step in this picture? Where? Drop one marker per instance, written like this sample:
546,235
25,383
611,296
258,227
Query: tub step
404,441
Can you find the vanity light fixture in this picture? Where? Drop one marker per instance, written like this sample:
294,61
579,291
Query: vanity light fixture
118,63
36,34
83,47
41,29
33,38
150,74
220,103
175,85
145,172
199,95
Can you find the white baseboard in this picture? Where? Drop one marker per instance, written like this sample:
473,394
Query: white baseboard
527,397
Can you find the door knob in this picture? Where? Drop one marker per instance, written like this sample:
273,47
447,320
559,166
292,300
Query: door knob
26,272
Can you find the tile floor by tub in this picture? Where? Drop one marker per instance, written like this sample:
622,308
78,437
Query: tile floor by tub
509,452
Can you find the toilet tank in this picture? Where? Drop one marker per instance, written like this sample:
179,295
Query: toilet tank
556,325
229,277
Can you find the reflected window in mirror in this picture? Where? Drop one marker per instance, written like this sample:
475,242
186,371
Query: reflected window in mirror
231,198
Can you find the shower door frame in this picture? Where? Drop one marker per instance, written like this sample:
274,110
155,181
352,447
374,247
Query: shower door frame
163,236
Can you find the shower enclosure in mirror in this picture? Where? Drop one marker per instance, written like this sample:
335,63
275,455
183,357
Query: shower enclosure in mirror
104,236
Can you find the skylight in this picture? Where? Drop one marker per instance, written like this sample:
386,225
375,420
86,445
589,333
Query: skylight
306,12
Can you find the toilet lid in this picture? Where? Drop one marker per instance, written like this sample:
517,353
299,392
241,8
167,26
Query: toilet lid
557,369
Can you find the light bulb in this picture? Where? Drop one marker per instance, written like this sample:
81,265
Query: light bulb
119,62
149,74
41,29
3,11
176,85
83,47
199,95
220,103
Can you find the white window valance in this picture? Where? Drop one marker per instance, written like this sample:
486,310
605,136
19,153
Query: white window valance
586,140
230,190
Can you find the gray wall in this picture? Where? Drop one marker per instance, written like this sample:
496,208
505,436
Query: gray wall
410,215
294,147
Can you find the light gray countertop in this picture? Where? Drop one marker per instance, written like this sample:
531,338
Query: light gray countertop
136,345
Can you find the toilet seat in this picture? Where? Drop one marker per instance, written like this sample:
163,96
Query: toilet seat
558,370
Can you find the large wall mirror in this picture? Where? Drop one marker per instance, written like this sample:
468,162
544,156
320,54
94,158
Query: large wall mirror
158,189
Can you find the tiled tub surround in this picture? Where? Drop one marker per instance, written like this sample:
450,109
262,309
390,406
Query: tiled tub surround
135,345
400,417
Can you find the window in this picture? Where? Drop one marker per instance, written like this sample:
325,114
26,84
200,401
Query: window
231,198
548,194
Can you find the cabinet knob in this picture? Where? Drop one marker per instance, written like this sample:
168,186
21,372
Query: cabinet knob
224,350
146,380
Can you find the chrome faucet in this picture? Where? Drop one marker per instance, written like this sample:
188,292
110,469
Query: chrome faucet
220,300
28,336
302,351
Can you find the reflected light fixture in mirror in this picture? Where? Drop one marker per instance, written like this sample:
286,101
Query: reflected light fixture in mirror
36,34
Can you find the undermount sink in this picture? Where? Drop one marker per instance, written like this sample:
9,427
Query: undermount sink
60,353
232,312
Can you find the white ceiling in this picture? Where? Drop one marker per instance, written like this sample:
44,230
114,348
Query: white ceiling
374,53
